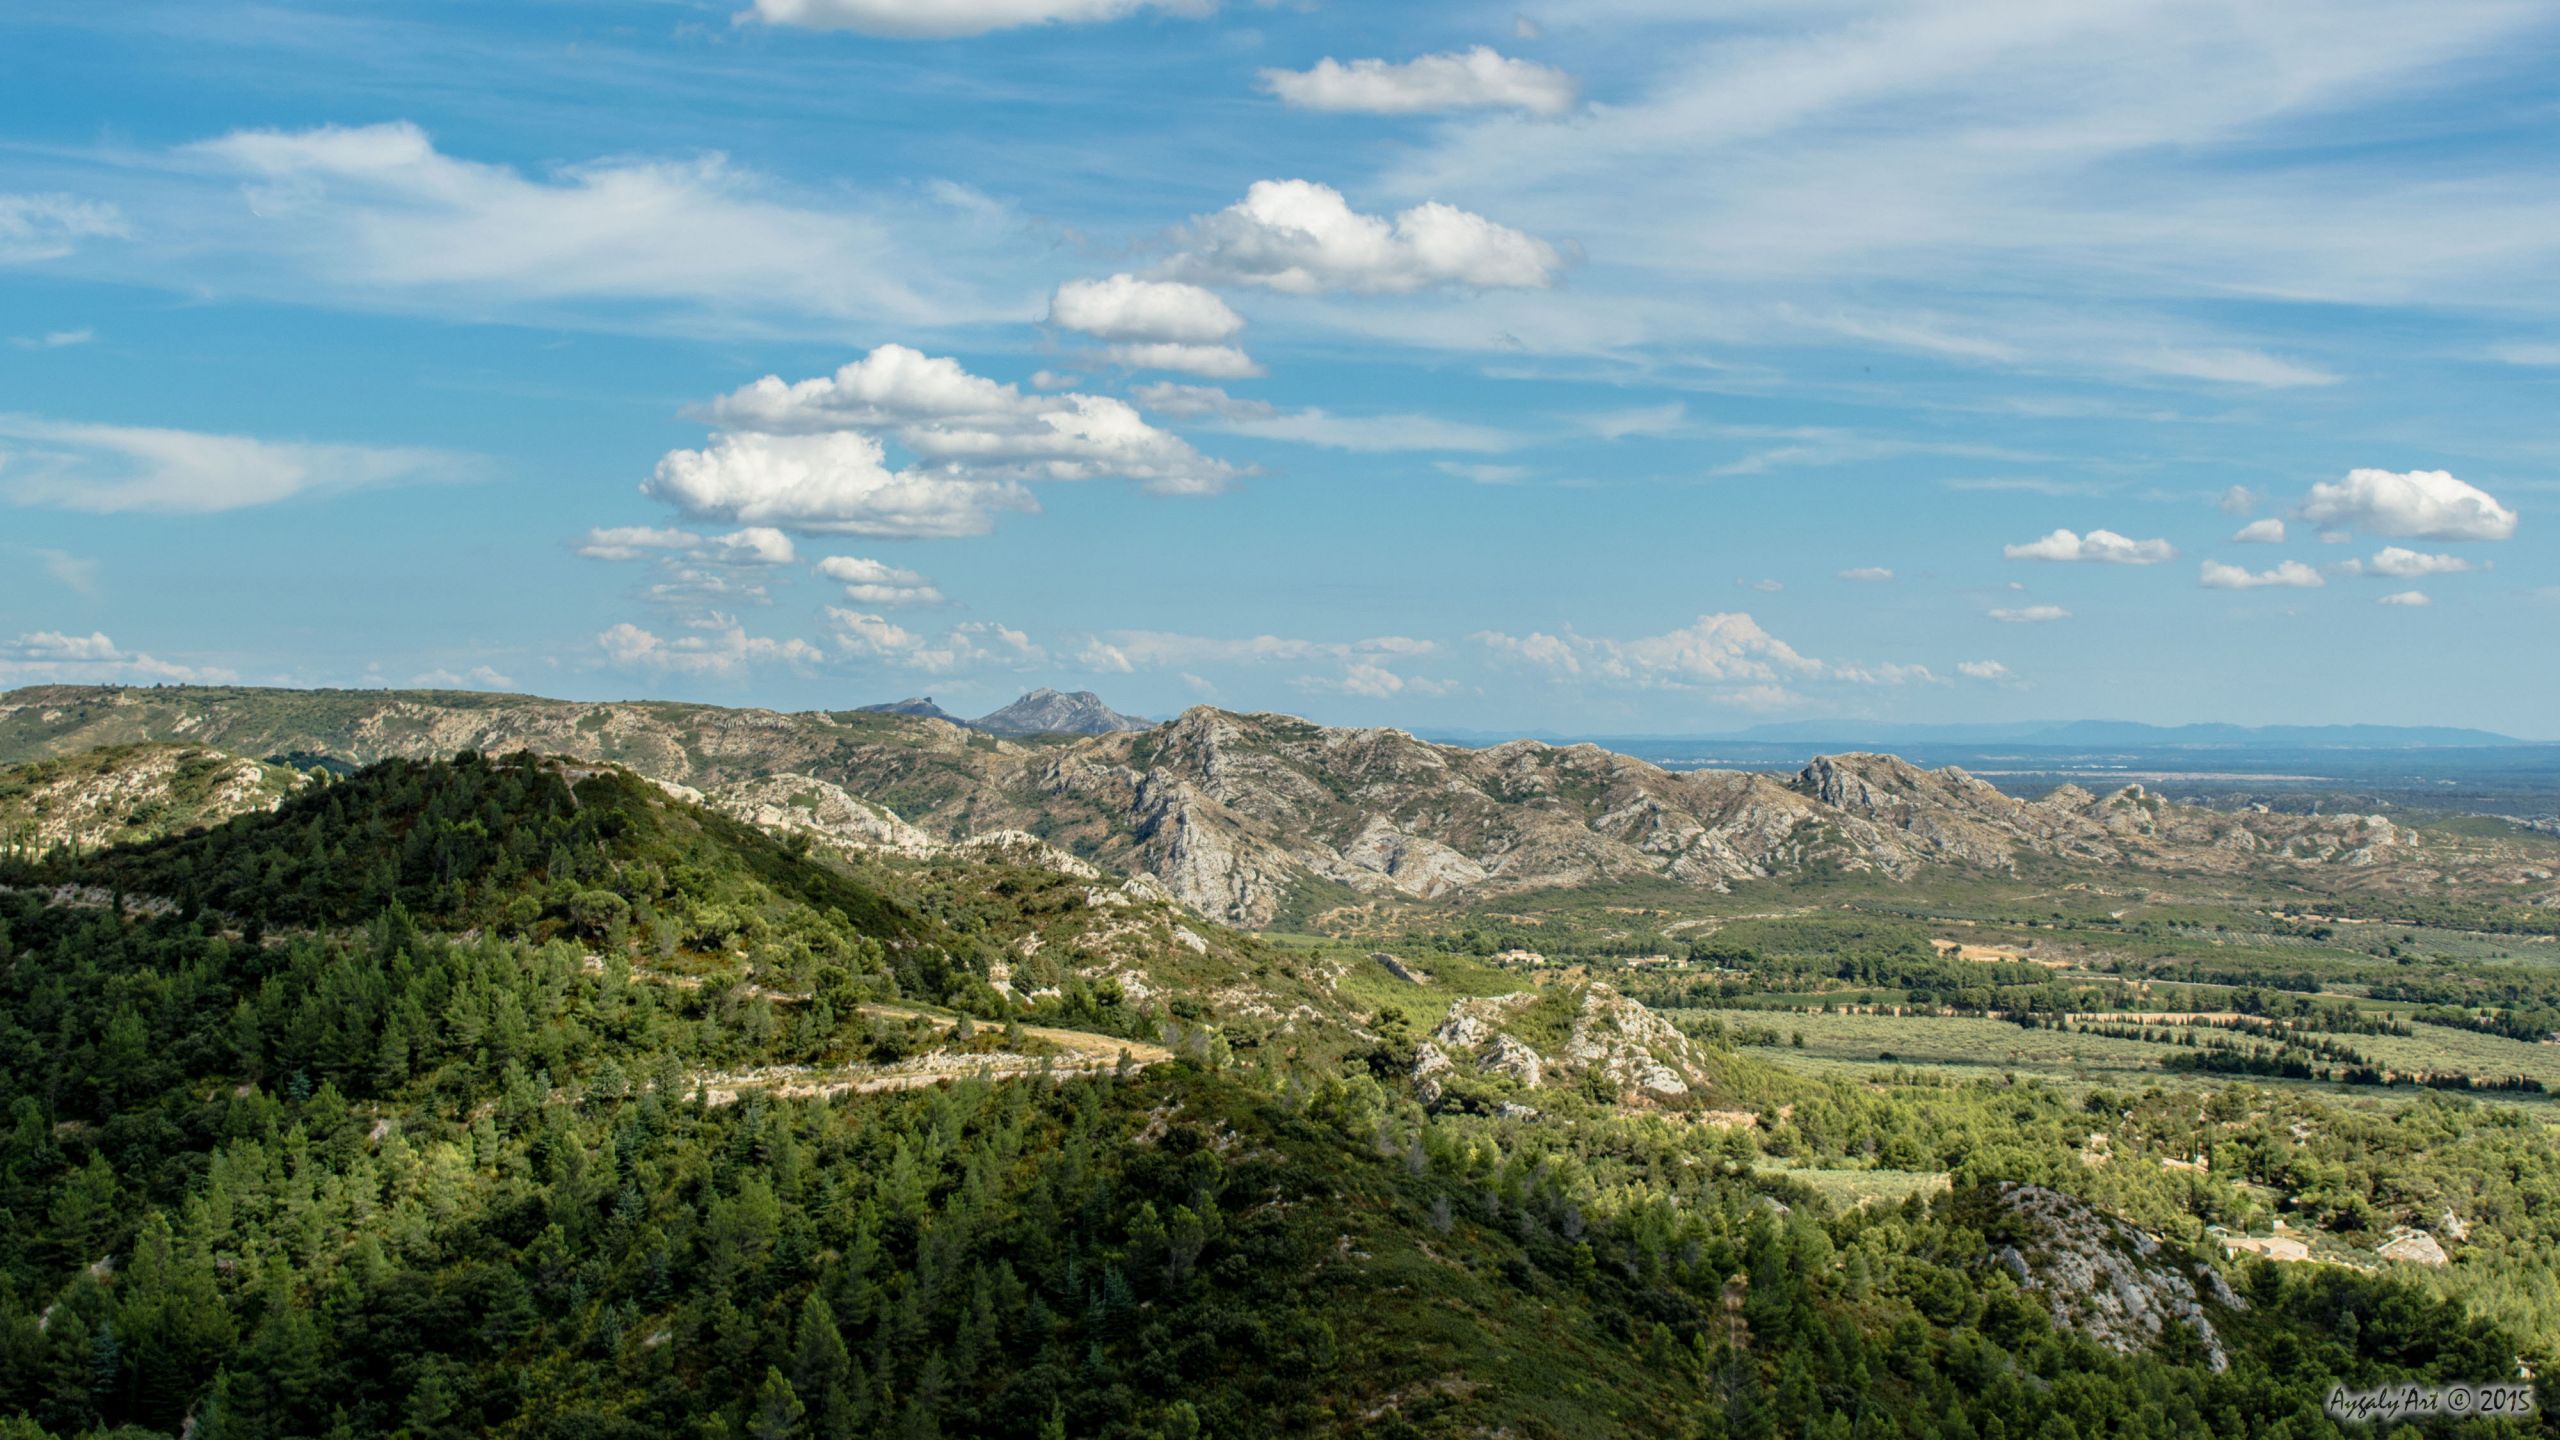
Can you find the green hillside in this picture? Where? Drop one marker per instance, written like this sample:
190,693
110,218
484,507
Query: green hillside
507,1096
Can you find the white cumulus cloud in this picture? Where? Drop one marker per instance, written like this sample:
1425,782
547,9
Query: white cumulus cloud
2411,504
1372,679
1714,650
2292,574
1125,307
1217,362
970,645
696,570
753,546
1479,78
1886,674
2269,531
874,582
2400,563
1366,667
1304,238
835,483
2030,614
716,645
970,429
2102,546
1982,669
1868,574
2407,597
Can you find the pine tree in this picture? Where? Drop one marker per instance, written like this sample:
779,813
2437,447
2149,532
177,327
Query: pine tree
778,1409
820,1364
86,1214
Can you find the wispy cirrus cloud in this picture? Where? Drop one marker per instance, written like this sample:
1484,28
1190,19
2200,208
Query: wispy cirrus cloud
2082,185
953,19
48,226
1318,427
74,465
378,217
61,657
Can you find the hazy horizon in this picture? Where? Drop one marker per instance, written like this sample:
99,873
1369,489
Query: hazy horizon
1758,731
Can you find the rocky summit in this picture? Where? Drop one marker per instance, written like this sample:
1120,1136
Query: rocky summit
920,706
1053,712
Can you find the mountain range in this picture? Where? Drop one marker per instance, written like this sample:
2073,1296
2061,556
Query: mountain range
1260,819
1042,712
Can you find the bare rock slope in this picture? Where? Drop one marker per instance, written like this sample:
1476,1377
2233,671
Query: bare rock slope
2099,1275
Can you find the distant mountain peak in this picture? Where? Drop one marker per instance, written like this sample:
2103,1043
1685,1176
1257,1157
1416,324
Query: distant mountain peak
918,705
1051,712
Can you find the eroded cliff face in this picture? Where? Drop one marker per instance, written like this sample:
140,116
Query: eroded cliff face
1246,818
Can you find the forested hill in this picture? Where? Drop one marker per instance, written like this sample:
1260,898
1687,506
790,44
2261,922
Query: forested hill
515,1097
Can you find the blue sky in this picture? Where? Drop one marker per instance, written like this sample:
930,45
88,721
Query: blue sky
1616,367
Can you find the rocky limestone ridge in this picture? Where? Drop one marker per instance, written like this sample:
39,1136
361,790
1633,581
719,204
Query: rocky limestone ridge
129,793
793,804
1252,818
2099,1276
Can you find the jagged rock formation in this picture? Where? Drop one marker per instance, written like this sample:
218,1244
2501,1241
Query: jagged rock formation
1641,1057
1050,712
1253,819
2100,1276
1637,1049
